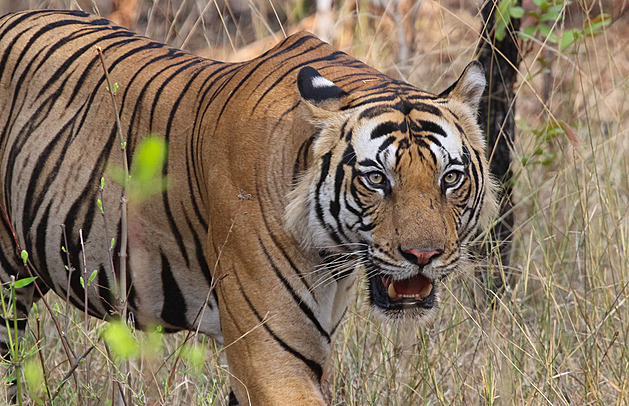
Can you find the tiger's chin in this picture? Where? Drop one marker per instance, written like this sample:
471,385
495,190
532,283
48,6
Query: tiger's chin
414,300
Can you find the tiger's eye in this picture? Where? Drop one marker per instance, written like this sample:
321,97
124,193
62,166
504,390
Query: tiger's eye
376,178
452,177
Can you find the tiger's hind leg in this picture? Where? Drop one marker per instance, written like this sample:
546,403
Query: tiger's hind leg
11,269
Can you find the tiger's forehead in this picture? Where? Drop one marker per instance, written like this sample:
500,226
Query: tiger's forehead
382,133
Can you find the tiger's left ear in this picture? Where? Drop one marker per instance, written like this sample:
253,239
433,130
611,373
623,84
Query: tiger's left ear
319,91
469,87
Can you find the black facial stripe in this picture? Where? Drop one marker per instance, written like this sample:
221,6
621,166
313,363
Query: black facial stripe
432,127
335,205
349,156
466,155
435,111
367,227
369,163
348,204
373,112
363,101
383,129
434,140
386,144
325,167
302,158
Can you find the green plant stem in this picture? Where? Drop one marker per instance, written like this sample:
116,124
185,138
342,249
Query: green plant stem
112,276
16,342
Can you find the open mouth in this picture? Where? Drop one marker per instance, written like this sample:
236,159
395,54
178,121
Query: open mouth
389,294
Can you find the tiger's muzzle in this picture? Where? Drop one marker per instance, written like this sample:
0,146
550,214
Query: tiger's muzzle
390,294
407,296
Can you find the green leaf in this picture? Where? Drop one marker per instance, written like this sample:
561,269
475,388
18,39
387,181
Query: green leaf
113,243
100,205
24,256
92,277
195,355
502,19
147,170
119,338
153,345
568,38
149,158
516,12
146,176
63,248
529,32
34,379
102,182
552,13
546,31
595,25
20,283
82,282
115,88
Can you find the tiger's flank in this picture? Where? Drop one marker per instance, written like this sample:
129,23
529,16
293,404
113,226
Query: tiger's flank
349,175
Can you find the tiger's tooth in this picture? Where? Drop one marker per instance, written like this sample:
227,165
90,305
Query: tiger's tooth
425,292
391,291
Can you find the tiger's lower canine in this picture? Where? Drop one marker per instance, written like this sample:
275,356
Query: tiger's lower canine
288,174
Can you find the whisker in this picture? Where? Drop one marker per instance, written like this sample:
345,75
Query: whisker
347,244
340,258
334,271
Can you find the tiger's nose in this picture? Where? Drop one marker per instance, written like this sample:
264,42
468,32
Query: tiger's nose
420,256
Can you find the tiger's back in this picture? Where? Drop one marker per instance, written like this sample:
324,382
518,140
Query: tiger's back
286,174
60,122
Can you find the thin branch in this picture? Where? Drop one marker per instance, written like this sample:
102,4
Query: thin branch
85,308
122,292
73,368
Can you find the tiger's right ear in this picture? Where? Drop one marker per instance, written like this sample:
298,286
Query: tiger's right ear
319,91
469,87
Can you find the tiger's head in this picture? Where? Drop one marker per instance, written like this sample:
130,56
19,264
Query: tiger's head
397,181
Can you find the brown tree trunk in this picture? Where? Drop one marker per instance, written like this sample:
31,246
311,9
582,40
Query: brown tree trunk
497,119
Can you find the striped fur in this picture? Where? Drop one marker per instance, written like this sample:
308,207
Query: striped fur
287,174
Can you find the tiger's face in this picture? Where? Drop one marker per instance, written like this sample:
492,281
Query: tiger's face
397,185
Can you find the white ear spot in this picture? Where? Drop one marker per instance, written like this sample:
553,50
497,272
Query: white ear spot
319,82
319,91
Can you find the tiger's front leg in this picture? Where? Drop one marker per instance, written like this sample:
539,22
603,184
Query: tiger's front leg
277,338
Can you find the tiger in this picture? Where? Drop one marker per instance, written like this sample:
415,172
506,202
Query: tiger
294,180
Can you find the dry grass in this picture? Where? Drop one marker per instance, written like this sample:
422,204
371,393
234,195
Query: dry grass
559,335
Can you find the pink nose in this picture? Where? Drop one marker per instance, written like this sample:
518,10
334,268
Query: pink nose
423,256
